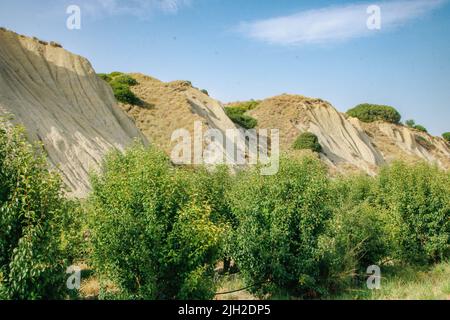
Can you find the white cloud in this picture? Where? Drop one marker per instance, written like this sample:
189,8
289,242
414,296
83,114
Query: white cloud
138,8
338,23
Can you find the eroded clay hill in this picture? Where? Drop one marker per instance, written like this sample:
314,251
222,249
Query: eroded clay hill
173,106
59,99
347,143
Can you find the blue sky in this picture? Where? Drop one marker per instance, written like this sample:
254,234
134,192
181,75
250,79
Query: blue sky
243,49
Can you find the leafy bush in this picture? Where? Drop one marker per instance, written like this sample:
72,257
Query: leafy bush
115,74
356,235
280,219
420,128
446,136
152,234
237,116
31,204
372,112
104,76
124,79
410,123
123,93
121,83
308,141
417,199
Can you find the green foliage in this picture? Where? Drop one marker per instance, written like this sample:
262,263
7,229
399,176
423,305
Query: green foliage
31,204
372,112
238,117
121,83
417,200
356,235
115,74
237,114
280,219
153,234
246,106
309,141
104,76
123,93
446,136
124,79
410,123
420,128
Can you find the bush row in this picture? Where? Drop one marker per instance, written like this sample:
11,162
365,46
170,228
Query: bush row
158,232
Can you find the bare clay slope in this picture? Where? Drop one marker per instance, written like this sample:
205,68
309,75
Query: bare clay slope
59,99
178,105
344,145
347,143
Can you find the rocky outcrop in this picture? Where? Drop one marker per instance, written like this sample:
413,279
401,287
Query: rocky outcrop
59,99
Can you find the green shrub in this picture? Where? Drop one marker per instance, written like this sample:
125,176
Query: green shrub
417,199
356,235
31,204
245,106
121,83
280,219
372,112
104,76
410,123
123,93
237,116
152,235
125,79
420,128
307,141
446,136
115,74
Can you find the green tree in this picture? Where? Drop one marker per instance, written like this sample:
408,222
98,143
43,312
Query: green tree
417,200
446,136
410,123
153,236
31,204
280,219
372,112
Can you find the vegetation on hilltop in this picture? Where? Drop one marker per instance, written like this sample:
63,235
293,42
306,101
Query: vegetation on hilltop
446,136
412,124
373,112
121,83
236,112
